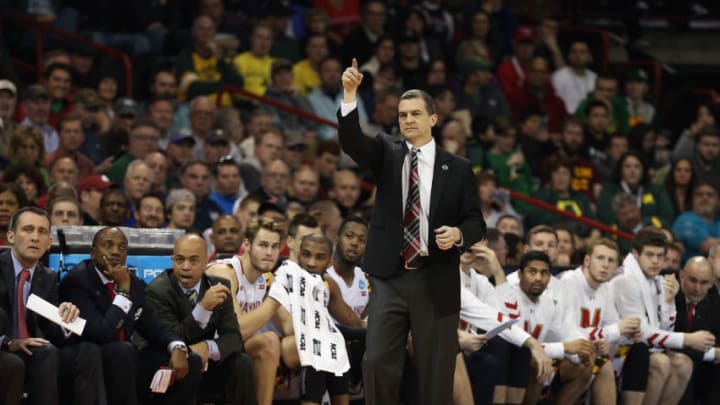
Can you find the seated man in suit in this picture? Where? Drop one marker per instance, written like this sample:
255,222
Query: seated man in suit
112,299
33,349
199,308
698,310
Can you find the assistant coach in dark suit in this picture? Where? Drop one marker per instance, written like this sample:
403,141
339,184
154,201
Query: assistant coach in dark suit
112,300
53,365
699,310
426,209
199,308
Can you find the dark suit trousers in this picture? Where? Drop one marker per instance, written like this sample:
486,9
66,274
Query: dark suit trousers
703,386
41,371
398,305
81,374
12,378
233,378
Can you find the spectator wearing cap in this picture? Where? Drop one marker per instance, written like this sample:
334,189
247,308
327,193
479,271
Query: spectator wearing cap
326,97
204,69
285,90
479,94
88,105
124,115
537,92
196,176
8,104
72,137
179,151
511,72
254,64
361,41
277,15
636,90
305,72
143,139
180,206
36,102
91,189
575,80
294,152
216,146
410,64
228,184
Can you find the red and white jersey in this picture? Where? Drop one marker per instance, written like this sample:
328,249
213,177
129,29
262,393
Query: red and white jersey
480,286
249,295
592,310
637,295
541,319
483,316
355,295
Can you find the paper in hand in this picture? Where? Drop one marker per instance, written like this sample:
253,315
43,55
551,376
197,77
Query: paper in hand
161,380
52,313
498,329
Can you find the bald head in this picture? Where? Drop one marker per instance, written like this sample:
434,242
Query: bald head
696,279
189,259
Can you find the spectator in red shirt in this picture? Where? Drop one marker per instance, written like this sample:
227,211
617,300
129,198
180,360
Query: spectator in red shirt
538,92
511,73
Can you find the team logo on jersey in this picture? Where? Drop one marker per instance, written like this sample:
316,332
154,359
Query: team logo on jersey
361,284
316,347
261,283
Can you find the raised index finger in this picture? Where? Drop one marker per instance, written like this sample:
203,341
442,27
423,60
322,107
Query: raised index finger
108,265
354,63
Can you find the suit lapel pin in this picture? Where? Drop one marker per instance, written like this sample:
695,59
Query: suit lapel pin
444,167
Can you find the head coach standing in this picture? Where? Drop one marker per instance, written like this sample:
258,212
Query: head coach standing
426,209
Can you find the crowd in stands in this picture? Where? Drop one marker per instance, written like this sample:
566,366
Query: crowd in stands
512,96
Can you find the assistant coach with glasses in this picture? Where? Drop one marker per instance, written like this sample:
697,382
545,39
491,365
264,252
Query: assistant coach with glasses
426,210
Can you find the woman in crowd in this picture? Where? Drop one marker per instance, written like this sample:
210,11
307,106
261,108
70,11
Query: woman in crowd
631,176
27,146
678,185
28,178
494,202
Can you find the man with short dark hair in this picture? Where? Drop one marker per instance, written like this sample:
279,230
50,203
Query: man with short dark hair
150,212
227,237
31,347
114,207
227,184
703,150
199,309
114,304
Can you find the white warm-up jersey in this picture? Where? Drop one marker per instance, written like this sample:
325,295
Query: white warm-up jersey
637,295
249,295
480,286
541,319
592,310
357,294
